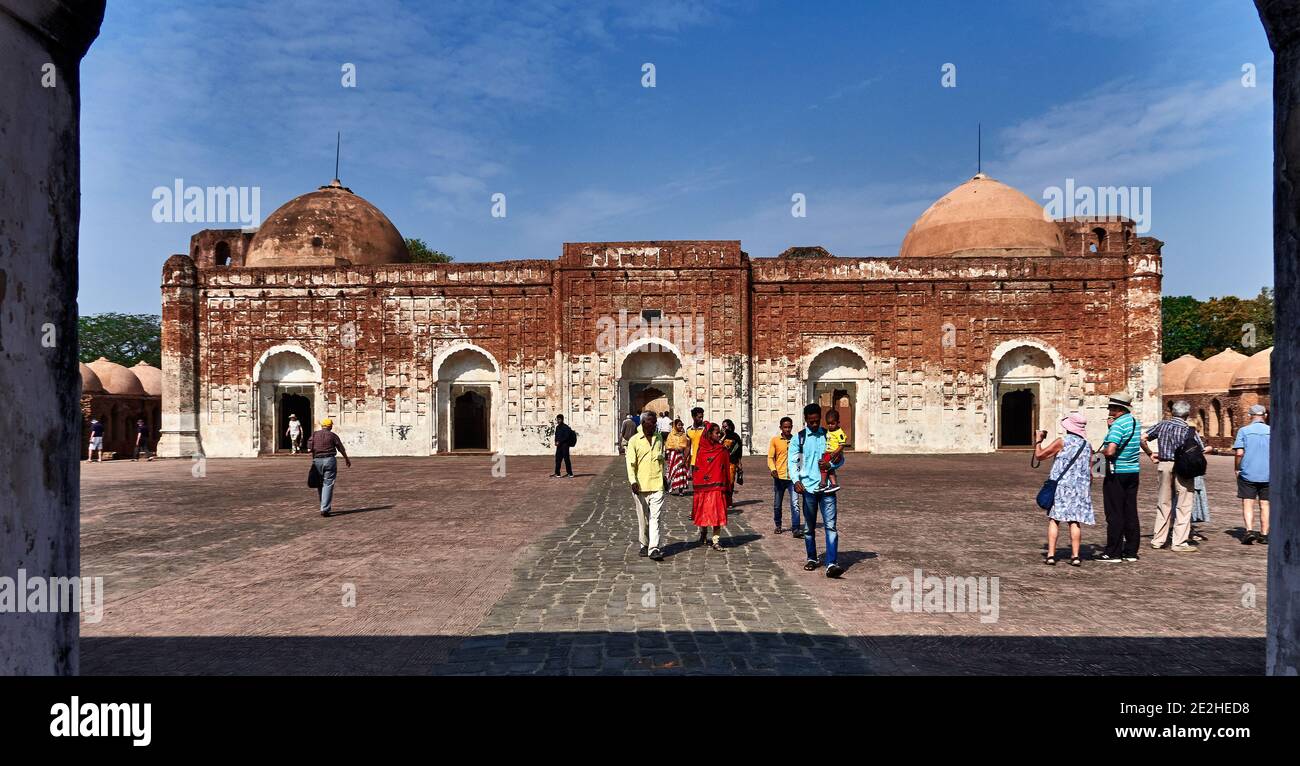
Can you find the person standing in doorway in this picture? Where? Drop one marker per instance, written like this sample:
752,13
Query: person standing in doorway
143,441
323,446
778,452
565,437
645,472
294,432
1120,487
96,441
626,430
1251,463
806,451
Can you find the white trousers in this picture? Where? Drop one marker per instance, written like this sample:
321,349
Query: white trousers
648,504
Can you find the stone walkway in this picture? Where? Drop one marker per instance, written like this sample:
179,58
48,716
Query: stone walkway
584,602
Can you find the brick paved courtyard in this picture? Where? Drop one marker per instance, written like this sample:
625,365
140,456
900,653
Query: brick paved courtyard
455,571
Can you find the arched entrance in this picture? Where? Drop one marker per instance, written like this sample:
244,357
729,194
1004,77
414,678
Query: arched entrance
837,379
648,380
287,381
467,385
1024,387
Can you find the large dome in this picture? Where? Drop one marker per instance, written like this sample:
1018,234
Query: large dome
1173,375
1214,375
983,217
328,227
116,379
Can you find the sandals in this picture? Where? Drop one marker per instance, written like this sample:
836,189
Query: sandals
1050,561
1076,561
810,566
715,545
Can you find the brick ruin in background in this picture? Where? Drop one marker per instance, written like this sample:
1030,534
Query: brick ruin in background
993,321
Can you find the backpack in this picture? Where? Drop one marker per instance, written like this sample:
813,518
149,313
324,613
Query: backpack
573,440
1189,458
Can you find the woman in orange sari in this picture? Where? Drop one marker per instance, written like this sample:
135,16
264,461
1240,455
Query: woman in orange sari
678,446
711,478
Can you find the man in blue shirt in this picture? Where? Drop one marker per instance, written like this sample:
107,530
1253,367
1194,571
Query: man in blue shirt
1120,487
806,449
1251,447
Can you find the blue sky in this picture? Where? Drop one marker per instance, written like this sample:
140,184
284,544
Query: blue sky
754,102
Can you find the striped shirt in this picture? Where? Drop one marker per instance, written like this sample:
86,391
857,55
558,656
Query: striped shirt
1170,434
1125,429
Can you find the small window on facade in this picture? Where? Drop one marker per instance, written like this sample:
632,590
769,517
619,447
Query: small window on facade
222,255
652,315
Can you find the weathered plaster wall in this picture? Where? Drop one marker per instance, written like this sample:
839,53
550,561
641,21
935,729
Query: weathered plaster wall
39,211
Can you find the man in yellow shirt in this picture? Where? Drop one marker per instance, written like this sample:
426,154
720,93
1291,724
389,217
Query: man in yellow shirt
778,451
645,472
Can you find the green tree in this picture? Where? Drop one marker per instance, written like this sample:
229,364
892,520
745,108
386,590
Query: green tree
422,253
122,338
1184,330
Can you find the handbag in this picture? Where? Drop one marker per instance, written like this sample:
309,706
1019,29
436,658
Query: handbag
740,476
314,478
1047,494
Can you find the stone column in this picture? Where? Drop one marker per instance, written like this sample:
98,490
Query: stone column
1282,22
41,45
180,355
1145,331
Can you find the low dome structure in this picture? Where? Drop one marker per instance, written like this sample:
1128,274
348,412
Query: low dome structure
116,379
1173,375
1215,374
150,377
1255,371
90,383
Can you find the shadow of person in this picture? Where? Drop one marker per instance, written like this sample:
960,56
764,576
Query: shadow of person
847,559
362,510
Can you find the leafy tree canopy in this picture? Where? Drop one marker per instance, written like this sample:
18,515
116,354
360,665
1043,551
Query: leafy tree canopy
1204,328
422,253
122,338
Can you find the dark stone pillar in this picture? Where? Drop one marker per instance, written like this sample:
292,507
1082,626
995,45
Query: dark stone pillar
1282,22
41,45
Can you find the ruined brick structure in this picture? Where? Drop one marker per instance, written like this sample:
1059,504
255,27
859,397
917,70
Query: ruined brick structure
1221,390
992,322
120,396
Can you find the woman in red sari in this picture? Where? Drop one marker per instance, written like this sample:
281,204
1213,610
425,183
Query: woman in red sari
712,475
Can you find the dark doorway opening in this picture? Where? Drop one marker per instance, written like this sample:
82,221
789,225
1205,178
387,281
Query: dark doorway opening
838,397
1017,419
292,404
469,421
645,396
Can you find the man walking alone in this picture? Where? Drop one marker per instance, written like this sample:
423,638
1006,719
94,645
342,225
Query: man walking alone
565,438
323,445
645,472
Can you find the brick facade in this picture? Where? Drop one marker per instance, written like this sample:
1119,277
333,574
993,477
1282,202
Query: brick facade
920,348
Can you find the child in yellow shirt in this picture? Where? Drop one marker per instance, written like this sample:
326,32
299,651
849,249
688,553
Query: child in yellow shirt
836,440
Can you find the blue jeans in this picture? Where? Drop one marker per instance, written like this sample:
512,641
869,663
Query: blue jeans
779,488
328,468
812,501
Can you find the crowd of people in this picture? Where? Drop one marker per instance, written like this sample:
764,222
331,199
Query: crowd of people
664,457
1181,500
706,457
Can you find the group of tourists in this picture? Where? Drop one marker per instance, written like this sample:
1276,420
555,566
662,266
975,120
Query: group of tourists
706,457
1180,469
142,446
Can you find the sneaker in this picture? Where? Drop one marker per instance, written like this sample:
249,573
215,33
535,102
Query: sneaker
568,476
644,551
1248,538
834,570
1108,559
796,532
1157,546
555,476
778,530
1262,539
656,554
809,565
831,489
1131,558
1185,548
326,514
